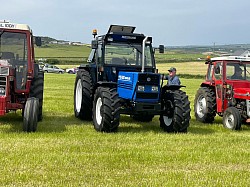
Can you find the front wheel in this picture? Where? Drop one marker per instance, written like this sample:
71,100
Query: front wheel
176,111
30,116
232,119
106,110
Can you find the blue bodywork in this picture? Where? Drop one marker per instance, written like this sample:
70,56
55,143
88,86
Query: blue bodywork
128,83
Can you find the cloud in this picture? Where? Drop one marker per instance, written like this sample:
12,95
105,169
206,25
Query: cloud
172,22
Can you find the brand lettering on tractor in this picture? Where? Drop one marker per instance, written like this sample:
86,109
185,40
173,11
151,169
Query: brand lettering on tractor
124,78
129,37
7,25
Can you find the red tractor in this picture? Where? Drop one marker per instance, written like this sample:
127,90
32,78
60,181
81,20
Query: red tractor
226,92
21,82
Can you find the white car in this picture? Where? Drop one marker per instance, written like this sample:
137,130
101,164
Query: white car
72,70
52,69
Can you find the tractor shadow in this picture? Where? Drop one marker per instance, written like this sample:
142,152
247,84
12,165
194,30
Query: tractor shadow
129,125
13,123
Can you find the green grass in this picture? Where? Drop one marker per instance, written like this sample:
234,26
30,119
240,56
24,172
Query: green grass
68,152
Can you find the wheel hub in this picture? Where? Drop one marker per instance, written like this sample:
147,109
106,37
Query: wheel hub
78,99
229,121
98,111
201,106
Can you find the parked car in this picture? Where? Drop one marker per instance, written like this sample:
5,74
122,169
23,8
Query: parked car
52,69
72,70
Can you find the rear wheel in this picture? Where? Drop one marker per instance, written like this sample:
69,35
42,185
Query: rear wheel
36,91
30,116
83,95
176,111
205,105
106,110
232,119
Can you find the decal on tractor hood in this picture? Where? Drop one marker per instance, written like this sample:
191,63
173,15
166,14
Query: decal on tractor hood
124,78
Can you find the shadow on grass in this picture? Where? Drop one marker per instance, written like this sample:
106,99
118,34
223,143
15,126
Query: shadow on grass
13,123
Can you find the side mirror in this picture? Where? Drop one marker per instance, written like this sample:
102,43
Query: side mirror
94,44
161,48
38,41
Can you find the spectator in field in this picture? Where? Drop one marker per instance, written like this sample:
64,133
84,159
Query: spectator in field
172,78
237,73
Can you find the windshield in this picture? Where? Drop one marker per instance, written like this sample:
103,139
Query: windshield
238,71
13,46
127,54
14,53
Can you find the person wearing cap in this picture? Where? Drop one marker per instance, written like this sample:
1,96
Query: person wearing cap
172,78
237,73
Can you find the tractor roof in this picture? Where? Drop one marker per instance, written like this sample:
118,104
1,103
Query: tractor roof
7,25
121,29
235,58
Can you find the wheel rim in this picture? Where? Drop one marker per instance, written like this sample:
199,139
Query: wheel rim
167,120
98,111
229,121
201,106
78,96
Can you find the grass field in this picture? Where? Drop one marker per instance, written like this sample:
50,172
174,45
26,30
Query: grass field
68,152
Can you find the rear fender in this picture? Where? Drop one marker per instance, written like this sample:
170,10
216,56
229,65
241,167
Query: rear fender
171,87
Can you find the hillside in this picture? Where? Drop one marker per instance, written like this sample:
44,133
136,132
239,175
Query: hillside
65,53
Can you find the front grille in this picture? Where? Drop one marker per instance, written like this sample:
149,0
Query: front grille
4,70
147,95
2,85
152,79
125,86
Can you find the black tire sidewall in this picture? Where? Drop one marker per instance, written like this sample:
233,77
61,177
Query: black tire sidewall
237,118
30,117
210,99
85,112
178,105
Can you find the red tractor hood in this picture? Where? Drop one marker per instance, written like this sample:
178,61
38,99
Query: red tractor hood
242,93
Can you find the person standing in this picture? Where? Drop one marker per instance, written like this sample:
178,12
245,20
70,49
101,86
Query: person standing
172,78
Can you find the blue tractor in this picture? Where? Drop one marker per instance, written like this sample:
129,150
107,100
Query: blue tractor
121,78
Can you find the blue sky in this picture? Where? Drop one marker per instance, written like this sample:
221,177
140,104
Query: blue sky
169,22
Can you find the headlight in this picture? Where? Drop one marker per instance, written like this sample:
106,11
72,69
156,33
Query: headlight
2,91
140,88
154,89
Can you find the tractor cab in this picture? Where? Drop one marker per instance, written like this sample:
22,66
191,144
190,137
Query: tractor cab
121,50
19,75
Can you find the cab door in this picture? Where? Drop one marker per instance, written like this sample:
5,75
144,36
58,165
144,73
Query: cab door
218,81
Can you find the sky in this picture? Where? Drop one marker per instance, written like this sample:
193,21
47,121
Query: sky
169,22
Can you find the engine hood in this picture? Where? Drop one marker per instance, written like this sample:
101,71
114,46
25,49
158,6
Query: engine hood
242,93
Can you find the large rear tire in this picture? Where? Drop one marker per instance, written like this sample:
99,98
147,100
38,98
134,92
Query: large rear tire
205,105
30,116
36,90
176,111
232,119
106,110
83,95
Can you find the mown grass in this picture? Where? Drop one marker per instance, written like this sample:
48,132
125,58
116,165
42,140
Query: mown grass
68,152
